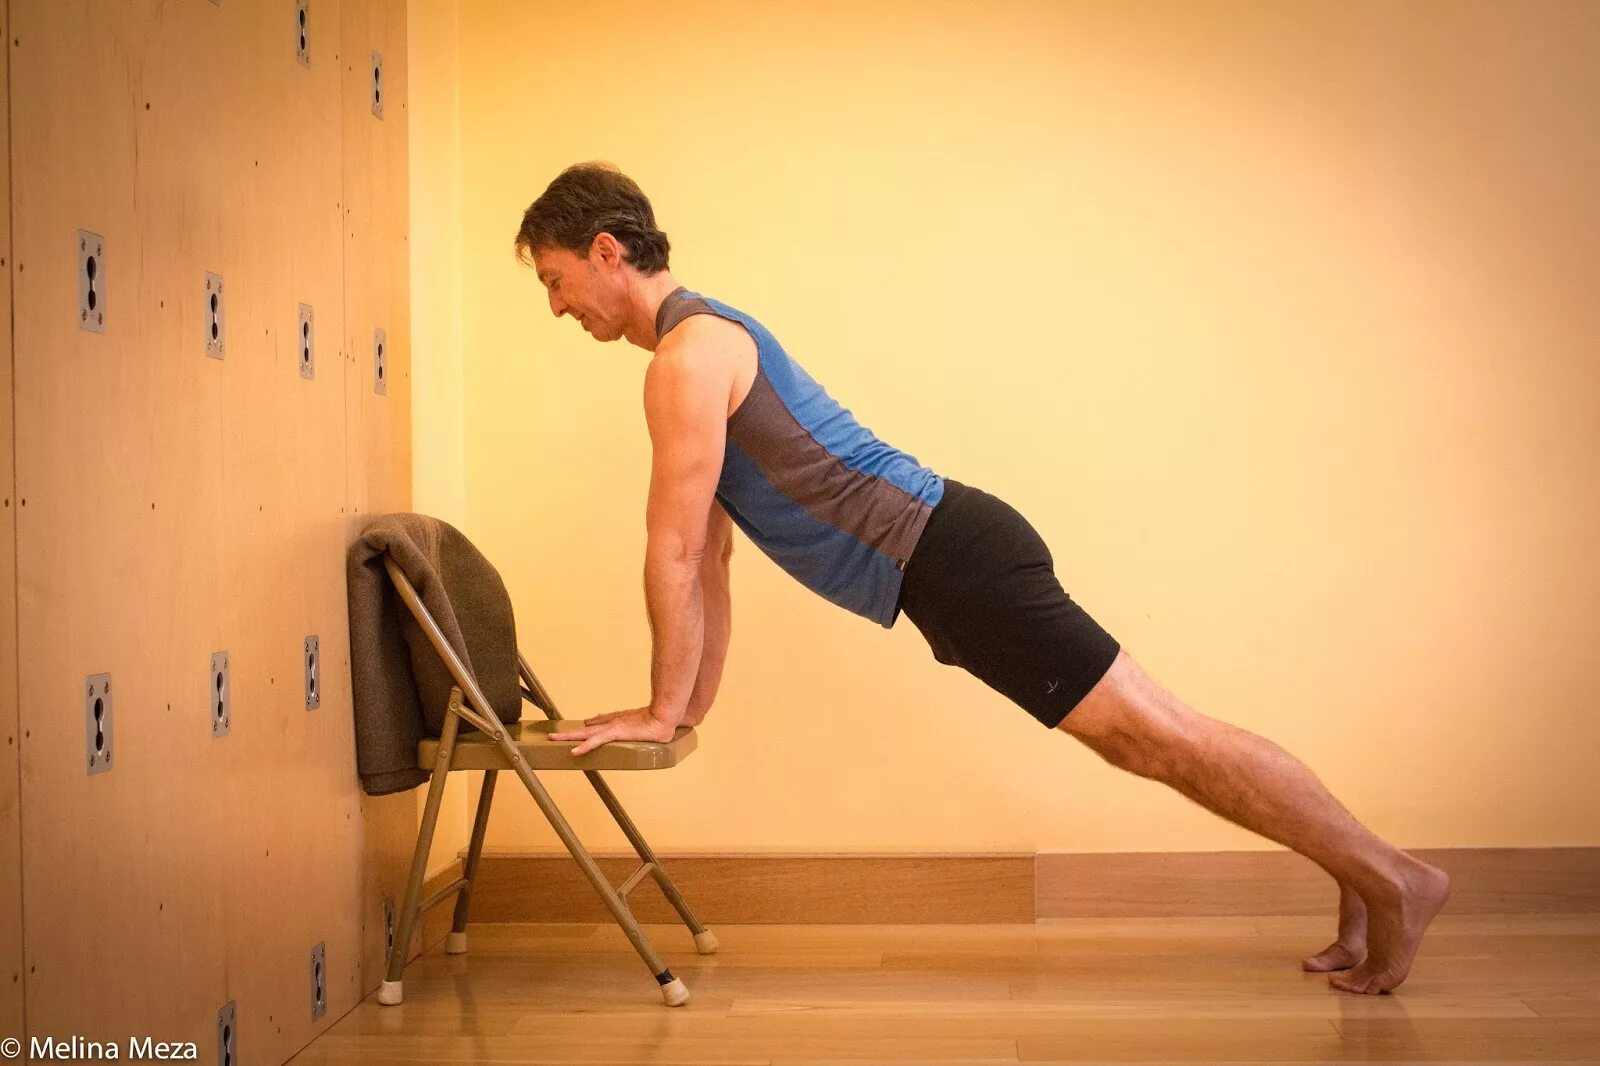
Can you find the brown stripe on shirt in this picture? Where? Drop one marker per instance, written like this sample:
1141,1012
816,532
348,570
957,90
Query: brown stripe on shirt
872,509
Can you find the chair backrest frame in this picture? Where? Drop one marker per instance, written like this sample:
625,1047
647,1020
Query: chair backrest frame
463,677
533,691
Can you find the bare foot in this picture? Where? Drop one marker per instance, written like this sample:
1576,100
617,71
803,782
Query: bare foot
1397,924
1351,946
1336,956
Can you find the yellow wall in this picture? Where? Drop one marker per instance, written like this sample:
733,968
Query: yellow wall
1276,320
438,472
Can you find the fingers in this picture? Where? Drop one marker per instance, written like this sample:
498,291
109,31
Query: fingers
590,737
588,723
594,741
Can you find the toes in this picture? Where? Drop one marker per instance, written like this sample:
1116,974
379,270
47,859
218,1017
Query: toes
1368,984
1334,957
1349,982
1323,963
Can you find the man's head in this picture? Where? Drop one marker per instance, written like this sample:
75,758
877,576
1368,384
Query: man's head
591,236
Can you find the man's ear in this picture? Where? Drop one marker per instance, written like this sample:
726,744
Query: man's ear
607,250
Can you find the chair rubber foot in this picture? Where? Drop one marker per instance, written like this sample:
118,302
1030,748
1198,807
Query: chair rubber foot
705,942
455,944
675,992
390,993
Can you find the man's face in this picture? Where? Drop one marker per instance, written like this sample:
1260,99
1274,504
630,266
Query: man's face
577,286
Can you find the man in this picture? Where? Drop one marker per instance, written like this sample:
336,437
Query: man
741,434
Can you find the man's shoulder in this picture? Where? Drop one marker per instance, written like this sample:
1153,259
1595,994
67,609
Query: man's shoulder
706,331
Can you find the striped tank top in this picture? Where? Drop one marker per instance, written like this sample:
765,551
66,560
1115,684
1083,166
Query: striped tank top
834,506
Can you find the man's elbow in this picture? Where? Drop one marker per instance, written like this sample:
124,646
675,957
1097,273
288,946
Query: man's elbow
674,548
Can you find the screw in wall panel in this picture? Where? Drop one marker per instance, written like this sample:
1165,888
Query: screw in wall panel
380,372
91,282
388,930
302,16
308,349
97,722
228,1034
220,686
377,84
319,980
213,316
313,691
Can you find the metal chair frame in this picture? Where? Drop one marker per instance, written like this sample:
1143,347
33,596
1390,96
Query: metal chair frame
468,704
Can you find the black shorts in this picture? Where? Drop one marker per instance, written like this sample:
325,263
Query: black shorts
981,588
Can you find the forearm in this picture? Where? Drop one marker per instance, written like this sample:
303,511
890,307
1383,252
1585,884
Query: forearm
675,604
718,614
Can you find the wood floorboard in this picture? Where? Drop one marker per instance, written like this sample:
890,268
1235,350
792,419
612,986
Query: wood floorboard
1505,989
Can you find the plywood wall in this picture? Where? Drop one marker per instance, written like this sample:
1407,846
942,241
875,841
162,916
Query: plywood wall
10,828
378,446
171,505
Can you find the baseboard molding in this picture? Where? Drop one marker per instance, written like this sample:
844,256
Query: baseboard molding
759,888
436,920
1203,884
766,889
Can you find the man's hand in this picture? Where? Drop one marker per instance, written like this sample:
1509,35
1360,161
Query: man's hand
638,724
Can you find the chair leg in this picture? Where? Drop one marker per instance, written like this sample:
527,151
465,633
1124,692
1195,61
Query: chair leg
673,990
705,941
456,944
390,992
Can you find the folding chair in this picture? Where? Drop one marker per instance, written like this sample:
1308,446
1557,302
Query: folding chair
525,746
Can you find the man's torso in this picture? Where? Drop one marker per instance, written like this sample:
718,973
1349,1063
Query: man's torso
838,508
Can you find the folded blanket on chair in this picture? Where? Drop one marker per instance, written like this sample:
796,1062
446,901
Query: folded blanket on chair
399,683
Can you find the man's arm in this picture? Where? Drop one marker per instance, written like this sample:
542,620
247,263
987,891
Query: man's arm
717,597
686,397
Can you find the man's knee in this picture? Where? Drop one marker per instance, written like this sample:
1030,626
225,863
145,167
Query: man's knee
1130,721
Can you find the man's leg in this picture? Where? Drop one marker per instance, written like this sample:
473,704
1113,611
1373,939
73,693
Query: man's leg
1135,724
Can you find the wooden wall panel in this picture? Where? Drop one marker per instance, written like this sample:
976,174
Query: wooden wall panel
377,295
178,505
11,964
295,783
106,577
377,256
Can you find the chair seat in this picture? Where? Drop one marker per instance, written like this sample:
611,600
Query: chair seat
476,750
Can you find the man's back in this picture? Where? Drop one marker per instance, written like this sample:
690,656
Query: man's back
839,509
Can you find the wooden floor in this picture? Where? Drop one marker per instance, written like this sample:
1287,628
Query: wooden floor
1486,988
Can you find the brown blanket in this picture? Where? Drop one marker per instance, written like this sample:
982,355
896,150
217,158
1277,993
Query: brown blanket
399,683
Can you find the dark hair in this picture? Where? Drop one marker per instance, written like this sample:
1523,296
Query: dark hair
586,200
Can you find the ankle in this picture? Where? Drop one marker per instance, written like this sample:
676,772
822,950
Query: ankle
1382,879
